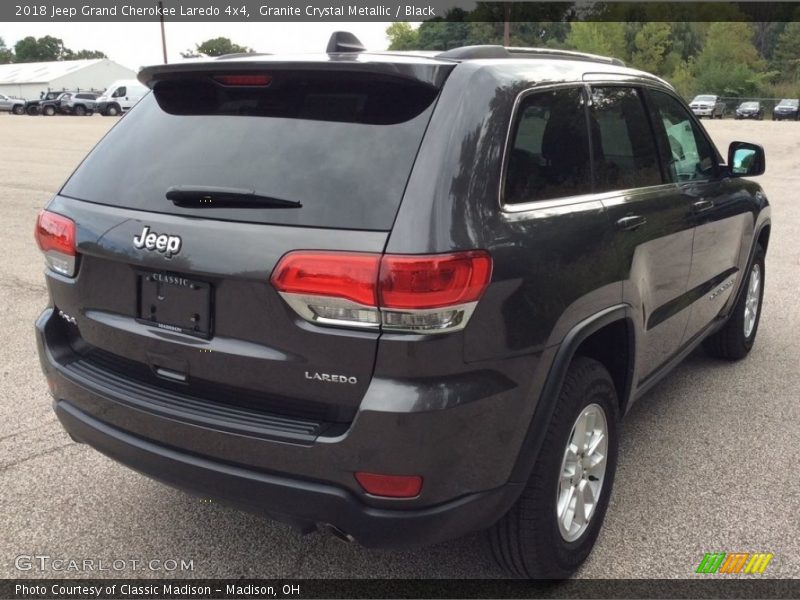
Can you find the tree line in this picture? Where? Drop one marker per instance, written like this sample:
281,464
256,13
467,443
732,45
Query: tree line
43,49
728,58
48,48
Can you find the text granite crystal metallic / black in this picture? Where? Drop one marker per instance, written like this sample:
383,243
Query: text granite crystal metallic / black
398,297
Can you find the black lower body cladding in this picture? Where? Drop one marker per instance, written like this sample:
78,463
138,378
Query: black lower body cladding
289,471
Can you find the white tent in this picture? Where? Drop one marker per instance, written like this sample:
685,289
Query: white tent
28,80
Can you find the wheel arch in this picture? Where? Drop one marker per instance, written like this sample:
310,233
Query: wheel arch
760,238
612,325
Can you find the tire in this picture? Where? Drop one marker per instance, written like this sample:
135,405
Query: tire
32,110
735,340
18,109
49,111
79,111
528,540
112,110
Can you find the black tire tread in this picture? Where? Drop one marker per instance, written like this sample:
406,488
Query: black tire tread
507,537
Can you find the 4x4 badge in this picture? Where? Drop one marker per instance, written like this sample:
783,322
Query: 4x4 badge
149,240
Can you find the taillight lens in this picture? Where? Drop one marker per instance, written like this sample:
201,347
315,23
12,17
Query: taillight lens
352,276
422,293
244,80
390,486
55,235
422,282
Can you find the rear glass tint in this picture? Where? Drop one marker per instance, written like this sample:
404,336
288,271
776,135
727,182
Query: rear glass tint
341,146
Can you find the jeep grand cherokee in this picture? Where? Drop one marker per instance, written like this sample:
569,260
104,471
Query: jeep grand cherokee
399,297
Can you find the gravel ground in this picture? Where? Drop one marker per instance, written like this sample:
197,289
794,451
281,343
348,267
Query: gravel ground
705,465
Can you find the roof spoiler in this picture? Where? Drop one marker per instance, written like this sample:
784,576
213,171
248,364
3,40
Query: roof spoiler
344,41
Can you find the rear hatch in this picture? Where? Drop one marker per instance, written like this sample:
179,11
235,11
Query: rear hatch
184,209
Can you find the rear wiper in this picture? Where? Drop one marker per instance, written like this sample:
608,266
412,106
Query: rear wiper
223,197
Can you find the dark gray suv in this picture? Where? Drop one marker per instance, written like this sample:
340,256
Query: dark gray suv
397,297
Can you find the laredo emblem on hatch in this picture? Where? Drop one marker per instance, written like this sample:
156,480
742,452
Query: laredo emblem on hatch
168,245
330,378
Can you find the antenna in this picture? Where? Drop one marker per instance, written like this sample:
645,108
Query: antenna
344,41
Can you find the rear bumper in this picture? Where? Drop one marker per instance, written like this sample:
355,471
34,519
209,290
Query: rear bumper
306,483
302,504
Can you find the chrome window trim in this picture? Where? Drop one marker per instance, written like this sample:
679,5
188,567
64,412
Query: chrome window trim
514,112
586,198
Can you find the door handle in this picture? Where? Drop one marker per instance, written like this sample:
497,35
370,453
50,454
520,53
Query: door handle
631,222
702,205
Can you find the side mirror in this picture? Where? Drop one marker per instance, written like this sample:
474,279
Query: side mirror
746,159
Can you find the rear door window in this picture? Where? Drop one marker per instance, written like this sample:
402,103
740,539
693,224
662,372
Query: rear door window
549,155
624,148
342,146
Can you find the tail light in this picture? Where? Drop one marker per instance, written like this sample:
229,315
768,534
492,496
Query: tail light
390,486
412,293
244,80
55,235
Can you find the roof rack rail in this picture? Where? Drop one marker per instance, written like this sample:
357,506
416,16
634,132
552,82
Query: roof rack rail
487,51
240,55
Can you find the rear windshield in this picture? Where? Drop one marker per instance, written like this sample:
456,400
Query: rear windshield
341,147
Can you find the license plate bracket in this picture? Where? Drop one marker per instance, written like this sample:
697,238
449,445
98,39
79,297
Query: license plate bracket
176,303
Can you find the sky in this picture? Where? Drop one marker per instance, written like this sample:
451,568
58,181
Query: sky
135,45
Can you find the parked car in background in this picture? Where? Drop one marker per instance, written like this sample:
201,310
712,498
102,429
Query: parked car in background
12,104
78,104
750,110
120,97
52,106
708,106
788,108
35,107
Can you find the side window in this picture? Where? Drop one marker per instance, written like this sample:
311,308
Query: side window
549,157
692,156
623,146
121,91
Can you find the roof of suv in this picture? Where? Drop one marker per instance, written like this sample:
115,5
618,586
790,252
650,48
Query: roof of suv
346,52
560,65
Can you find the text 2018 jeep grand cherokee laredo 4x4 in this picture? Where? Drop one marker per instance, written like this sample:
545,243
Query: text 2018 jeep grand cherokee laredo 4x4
399,297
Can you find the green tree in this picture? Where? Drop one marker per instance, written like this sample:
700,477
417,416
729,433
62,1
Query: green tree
651,44
219,46
81,54
786,59
683,79
731,43
44,49
729,63
606,38
402,36
6,53
541,34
